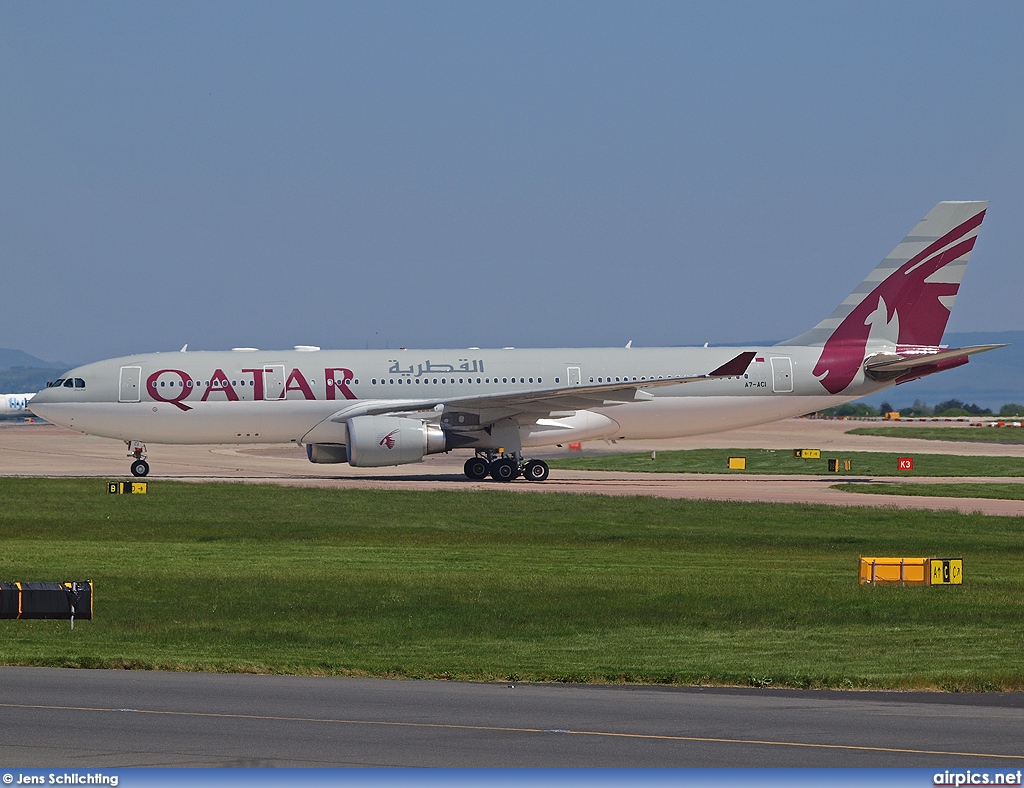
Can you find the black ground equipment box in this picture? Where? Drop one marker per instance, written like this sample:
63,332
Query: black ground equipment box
46,600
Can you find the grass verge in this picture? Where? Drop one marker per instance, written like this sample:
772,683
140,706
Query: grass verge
969,434
782,461
511,586
1008,492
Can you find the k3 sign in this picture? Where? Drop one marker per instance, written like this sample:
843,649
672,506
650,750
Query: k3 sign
905,464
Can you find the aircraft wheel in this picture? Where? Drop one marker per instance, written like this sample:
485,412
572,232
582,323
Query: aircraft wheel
504,470
140,468
536,471
476,468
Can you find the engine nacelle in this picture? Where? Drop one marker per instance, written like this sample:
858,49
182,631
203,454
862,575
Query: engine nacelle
374,441
326,452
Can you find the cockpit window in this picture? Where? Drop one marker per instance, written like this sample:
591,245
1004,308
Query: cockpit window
69,383
57,382
79,383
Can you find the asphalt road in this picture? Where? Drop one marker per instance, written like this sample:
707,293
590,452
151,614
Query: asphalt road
89,719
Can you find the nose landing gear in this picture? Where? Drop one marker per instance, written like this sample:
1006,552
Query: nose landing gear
137,450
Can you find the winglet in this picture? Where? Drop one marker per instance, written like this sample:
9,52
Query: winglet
734,367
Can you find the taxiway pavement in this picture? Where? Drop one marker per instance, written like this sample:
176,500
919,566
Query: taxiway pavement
89,718
48,450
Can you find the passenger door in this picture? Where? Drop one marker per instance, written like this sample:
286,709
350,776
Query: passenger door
131,384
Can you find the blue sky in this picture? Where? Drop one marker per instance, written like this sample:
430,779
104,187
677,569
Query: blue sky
528,174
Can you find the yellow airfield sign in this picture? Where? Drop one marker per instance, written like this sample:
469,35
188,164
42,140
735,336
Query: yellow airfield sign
947,571
128,488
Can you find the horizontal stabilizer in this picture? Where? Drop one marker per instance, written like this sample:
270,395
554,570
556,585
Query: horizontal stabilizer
887,366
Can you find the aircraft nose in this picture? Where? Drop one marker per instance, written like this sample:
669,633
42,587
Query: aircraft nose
47,395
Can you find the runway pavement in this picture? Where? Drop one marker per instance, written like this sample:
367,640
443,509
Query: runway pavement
48,450
86,718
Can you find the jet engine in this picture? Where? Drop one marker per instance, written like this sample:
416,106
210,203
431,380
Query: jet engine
374,441
326,452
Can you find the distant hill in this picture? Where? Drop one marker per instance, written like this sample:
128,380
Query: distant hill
25,380
19,358
21,373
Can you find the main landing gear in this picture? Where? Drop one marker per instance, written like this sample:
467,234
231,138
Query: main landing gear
139,465
505,468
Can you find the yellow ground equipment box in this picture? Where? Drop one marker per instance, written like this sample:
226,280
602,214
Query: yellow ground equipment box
737,463
807,454
911,571
127,488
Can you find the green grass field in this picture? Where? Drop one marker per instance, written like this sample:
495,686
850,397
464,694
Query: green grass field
509,586
972,434
1010,492
781,461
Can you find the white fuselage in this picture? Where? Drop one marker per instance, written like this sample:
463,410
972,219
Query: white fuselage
291,396
381,407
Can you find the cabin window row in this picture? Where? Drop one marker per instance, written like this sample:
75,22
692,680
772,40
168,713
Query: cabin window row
223,383
622,378
447,381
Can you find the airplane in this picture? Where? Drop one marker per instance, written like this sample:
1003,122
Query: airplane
14,404
374,408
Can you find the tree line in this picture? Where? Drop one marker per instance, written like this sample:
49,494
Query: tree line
949,408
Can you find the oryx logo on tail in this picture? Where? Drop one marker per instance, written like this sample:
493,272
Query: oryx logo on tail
905,301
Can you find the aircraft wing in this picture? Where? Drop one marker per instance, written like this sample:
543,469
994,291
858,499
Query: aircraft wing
541,402
886,366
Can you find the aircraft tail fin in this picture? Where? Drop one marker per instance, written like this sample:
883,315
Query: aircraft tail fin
905,301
